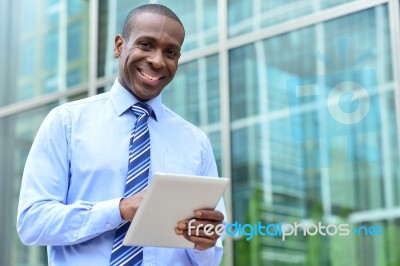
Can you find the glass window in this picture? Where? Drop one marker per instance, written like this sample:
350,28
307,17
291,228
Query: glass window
366,242
242,75
200,19
215,139
213,90
75,7
30,15
53,11
313,133
182,95
123,7
75,41
247,16
194,92
52,2
51,51
392,139
27,92
17,133
74,77
112,16
50,84
28,61
78,97
37,65
332,3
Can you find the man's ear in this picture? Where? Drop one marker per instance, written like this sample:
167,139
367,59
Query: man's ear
119,42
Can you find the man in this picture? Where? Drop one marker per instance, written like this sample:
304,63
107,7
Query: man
75,189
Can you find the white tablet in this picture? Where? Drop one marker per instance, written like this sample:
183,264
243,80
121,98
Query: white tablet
169,199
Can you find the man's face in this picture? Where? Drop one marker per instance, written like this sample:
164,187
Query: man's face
148,60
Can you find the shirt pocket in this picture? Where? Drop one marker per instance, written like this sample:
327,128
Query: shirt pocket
181,165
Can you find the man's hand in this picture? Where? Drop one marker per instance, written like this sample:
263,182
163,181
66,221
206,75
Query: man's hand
201,229
129,206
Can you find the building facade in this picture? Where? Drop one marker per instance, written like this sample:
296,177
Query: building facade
300,99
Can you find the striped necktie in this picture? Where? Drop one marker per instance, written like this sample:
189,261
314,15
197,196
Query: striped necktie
138,172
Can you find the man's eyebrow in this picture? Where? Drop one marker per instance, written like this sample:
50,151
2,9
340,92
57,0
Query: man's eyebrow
174,46
145,38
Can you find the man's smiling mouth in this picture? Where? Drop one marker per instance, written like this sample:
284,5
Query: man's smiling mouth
150,77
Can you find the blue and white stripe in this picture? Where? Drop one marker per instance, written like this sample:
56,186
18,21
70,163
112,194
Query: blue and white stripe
137,180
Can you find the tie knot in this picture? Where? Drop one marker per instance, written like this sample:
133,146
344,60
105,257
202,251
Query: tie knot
140,109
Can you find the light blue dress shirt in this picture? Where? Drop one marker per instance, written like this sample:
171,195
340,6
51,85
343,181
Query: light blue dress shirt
75,176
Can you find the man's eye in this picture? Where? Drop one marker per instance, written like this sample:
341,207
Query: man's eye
172,53
145,45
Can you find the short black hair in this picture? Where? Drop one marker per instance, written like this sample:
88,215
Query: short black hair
149,8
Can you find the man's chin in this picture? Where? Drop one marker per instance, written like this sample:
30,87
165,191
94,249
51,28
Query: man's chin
144,97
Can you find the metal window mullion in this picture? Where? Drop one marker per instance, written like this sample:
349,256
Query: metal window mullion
10,10
265,136
256,15
386,146
325,151
111,32
375,215
93,45
202,93
40,101
222,48
394,22
63,49
199,23
198,53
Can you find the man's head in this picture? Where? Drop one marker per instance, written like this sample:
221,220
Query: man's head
148,50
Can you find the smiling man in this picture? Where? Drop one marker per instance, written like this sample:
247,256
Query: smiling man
149,54
92,159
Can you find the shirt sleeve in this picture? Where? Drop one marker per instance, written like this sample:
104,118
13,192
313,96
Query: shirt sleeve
44,216
211,256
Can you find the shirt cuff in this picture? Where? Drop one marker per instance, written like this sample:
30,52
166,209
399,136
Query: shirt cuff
106,215
201,257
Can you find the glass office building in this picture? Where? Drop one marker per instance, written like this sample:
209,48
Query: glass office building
300,99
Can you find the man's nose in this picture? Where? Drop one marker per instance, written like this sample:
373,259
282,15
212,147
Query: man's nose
156,59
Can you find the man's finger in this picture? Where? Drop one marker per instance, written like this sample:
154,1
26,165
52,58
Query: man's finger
194,223
201,243
212,215
203,233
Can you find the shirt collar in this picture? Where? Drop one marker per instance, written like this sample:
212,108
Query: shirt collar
123,100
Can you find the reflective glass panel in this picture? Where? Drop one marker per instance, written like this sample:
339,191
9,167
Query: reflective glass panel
51,45
200,19
313,122
75,34
246,16
17,133
194,92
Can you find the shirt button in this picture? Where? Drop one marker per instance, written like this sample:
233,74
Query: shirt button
108,226
76,235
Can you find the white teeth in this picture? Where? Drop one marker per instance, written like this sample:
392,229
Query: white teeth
148,76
